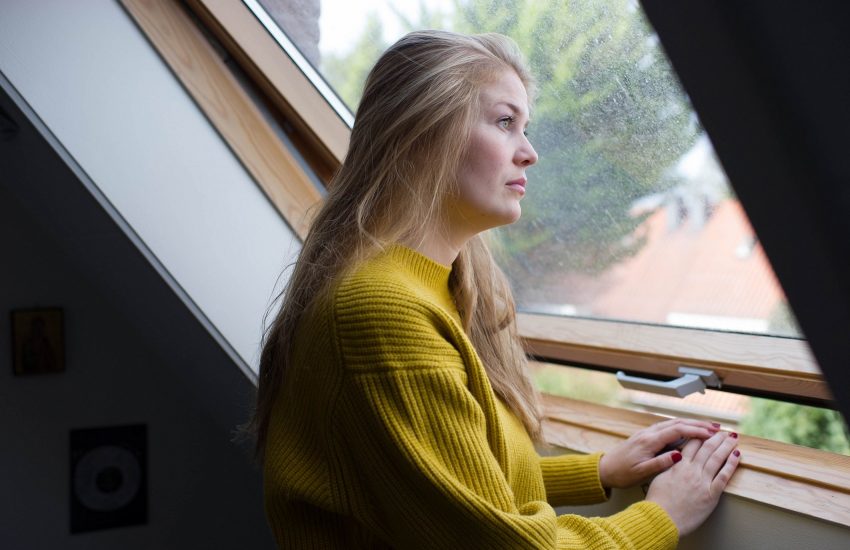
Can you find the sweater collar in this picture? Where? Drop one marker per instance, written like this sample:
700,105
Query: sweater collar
433,274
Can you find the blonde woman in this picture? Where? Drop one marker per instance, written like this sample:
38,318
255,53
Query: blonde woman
394,409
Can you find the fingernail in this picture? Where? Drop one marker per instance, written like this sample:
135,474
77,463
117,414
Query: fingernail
677,456
716,425
736,452
734,435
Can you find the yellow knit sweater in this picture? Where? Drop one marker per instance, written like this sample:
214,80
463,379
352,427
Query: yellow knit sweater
387,433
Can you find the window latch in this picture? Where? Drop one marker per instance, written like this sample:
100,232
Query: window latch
691,381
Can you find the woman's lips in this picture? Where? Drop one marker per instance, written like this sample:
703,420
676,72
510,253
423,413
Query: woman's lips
518,185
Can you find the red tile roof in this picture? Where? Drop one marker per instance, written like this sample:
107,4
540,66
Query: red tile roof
692,271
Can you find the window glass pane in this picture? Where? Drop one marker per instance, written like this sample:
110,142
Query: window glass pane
788,422
628,214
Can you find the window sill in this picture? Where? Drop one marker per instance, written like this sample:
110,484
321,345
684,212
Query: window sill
798,479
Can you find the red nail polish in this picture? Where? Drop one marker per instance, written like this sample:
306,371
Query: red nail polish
716,425
736,452
734,435
677,456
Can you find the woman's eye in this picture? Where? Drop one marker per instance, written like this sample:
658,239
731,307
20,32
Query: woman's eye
506,122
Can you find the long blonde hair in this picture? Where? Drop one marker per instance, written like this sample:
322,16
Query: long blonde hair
409,139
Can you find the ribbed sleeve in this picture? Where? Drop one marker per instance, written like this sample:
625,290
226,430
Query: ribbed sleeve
572,479
647,525
409,446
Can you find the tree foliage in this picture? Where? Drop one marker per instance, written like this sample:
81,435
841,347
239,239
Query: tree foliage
798,424
347,73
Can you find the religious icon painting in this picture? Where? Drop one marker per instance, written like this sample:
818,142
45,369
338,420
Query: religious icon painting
38,341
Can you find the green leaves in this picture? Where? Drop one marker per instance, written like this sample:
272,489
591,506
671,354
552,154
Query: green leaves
347,73
798,424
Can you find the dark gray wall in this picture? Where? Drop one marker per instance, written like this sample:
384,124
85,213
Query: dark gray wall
120,369
95,82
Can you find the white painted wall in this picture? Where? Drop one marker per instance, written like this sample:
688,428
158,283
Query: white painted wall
101,89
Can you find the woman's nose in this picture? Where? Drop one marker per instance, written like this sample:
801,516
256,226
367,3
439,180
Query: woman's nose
526,155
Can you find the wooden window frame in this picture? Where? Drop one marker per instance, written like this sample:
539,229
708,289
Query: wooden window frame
324,134
782,368
228,107
817,482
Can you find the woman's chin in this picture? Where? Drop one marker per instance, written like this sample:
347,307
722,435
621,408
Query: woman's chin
509,217
515,215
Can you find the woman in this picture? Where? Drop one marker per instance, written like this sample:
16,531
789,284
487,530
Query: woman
394,409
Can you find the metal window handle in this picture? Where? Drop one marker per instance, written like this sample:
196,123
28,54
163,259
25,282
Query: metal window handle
691,381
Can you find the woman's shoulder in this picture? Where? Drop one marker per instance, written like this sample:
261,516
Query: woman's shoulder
379,272
387,314
375,283
397,281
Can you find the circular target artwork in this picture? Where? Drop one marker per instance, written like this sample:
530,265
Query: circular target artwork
108,477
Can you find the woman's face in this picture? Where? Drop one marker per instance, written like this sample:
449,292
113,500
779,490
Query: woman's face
492,179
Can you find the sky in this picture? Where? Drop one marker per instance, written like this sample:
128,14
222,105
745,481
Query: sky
342,21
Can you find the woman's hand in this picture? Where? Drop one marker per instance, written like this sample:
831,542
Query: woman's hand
634,460
690,490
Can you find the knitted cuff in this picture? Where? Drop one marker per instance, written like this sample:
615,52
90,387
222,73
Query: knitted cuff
572,479
648,526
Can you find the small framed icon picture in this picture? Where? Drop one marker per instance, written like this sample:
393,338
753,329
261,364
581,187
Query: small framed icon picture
38,341
108,478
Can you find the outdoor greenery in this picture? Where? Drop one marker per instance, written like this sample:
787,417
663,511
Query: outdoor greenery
798,424
578,383
348,73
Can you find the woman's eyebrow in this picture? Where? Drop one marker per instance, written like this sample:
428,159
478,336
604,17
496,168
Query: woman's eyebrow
510,105
513,108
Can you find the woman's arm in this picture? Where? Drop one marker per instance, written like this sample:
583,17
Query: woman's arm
587,479
573,479
420,443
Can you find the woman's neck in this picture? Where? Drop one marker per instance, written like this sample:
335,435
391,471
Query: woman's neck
436,245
